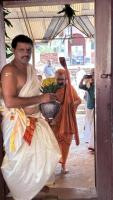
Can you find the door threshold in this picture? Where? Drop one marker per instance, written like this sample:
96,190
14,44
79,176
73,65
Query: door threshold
68,194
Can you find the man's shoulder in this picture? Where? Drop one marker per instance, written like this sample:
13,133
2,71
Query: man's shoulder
8,68
92,87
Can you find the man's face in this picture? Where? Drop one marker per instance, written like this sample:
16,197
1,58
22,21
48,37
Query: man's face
61,80
22,52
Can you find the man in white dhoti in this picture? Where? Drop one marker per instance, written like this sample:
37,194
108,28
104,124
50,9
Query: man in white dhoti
31,150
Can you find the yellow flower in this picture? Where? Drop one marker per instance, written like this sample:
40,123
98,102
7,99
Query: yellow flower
48,81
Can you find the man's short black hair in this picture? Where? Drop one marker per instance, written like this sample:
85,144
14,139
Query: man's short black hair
21,38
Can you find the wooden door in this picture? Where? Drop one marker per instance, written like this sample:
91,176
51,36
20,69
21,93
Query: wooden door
104,102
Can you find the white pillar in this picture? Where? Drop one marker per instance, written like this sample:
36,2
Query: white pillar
33,54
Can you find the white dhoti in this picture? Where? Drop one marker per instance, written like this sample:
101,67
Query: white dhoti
27,167
89,127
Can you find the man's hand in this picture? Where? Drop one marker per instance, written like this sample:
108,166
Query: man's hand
48,97
89,76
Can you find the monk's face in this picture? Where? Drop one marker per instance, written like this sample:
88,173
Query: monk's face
60,78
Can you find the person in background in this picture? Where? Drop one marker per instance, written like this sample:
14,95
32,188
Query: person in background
64,125
39,77
49,70
31,149
87,84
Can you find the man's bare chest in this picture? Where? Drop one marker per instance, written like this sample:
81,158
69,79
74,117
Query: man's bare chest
21,79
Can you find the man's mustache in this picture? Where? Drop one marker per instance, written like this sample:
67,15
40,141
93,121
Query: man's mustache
26,57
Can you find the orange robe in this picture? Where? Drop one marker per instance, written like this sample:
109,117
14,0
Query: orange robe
65,125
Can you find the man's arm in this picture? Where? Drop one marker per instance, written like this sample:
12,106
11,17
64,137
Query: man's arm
81,85
10,91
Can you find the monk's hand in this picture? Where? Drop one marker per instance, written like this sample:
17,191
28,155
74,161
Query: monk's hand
48,97
74,106
53,122
53,97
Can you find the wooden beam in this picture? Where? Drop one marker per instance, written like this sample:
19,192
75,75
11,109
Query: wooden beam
18,3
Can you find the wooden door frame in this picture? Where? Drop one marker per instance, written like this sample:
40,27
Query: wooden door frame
104,39
2,62
104,97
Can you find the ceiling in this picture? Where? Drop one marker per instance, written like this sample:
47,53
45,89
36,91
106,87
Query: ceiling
44,23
